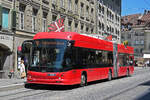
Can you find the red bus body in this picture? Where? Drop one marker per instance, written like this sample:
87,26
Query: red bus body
73,76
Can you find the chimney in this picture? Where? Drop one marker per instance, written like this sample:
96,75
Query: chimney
145,12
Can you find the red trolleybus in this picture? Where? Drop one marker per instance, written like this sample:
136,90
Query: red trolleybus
68,58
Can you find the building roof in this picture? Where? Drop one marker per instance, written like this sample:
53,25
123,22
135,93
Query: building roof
131,19
136,20
145,18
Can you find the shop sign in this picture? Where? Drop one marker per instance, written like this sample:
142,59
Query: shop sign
5,37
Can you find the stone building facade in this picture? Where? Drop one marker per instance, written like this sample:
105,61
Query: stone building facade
27,17
79,14
109,16
6,37
136,29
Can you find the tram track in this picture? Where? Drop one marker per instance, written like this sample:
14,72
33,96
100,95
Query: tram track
119,93
126,90
33,91
22,94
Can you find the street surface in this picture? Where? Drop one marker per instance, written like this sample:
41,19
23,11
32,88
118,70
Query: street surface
136,87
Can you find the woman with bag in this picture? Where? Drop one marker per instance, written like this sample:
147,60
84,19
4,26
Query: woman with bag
22,69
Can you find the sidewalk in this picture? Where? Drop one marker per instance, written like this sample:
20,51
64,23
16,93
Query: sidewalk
8,84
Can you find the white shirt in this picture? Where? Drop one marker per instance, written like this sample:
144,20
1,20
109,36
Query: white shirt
22,68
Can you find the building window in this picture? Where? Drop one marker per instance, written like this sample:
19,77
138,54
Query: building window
44,24
92,30
82,28
100,25
141,50
103,28
54,17
22,9
22,20
34,19
69,26
69,5
87,30
112,30
99,8
33,23
61,3
112,17
108,29
5,18
82,9
103,10
76,6
76,27
136,50
87,11
107,12
92,11
129,36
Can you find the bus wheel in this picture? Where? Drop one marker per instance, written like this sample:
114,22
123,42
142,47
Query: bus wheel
27,85
83,80
109,75
128,73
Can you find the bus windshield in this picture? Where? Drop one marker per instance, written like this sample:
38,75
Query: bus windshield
47,55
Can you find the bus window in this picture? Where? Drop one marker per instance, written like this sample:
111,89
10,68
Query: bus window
47,55
69,59
124,59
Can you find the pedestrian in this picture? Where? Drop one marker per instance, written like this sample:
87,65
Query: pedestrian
22,69
26,64
147,63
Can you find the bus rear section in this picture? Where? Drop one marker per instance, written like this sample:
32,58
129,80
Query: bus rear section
125,60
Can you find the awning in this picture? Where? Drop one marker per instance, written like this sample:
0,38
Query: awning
146,56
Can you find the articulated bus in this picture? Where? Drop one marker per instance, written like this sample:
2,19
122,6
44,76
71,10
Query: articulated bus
69,58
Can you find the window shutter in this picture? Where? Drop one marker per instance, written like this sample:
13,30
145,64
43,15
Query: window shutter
13,20
0,17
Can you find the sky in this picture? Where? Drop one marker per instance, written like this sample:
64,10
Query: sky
134,6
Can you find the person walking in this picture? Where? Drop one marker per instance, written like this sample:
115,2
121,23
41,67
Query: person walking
147,63
22,70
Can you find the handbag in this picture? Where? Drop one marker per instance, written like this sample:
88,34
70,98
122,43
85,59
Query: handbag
23,74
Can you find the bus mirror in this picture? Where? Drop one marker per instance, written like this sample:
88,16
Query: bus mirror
26,45
71,43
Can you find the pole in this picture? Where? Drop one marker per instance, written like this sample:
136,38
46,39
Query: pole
14,31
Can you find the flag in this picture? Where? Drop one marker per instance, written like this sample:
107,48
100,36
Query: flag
57,26
109,38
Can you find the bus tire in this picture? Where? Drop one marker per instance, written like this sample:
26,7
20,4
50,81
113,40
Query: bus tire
109,75
128,72
83,80
27,85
